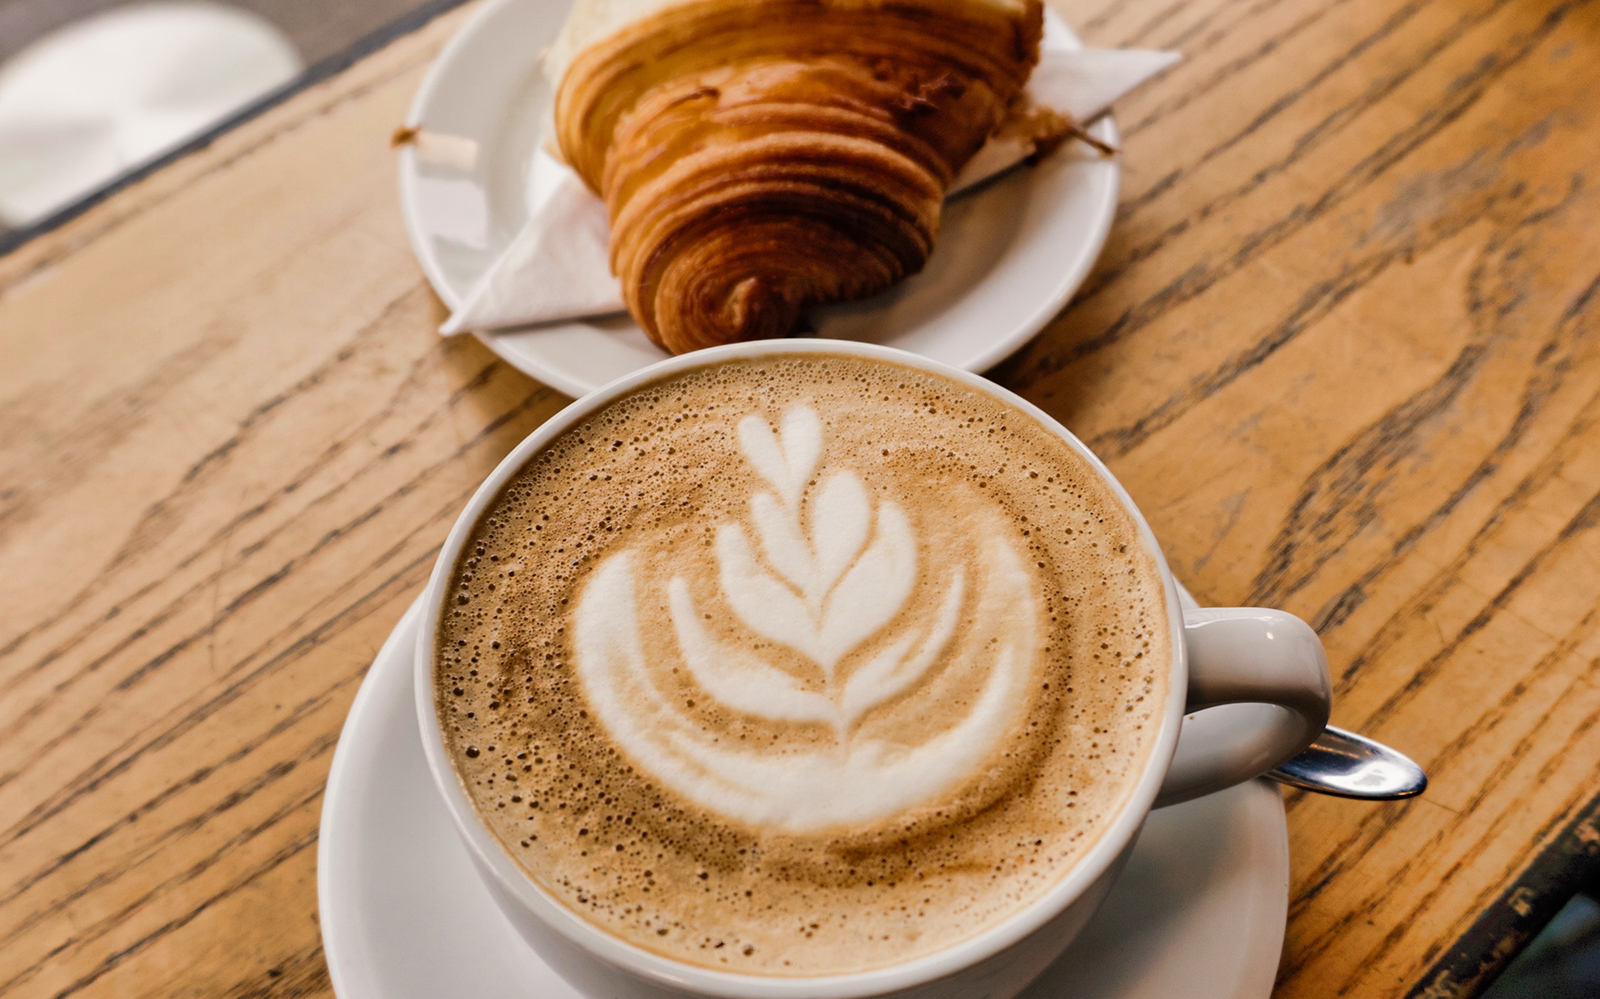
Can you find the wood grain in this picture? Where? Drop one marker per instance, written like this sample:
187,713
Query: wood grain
1341,348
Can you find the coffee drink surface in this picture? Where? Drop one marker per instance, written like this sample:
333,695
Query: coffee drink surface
802,665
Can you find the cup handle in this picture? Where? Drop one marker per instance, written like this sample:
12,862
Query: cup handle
1246,655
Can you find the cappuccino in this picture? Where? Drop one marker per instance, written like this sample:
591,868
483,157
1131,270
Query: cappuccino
802,665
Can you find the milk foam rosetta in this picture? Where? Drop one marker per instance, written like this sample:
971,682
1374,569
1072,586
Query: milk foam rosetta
801,666
834,583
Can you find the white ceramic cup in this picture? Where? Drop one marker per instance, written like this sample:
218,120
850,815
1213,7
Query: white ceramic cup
1219,656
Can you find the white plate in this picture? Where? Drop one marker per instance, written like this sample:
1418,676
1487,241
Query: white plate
1198,912
1009,255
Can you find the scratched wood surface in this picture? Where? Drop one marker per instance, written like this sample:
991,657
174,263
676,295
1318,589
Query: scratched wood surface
1343,348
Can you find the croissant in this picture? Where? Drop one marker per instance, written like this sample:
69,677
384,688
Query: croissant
757,157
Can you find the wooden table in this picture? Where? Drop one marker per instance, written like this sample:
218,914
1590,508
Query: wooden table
1343,348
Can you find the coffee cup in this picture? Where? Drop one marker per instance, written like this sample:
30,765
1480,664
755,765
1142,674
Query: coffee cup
785,658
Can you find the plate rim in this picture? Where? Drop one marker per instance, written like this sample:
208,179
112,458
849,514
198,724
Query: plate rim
1105,129
407,165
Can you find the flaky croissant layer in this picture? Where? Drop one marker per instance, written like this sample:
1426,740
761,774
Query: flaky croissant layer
760,156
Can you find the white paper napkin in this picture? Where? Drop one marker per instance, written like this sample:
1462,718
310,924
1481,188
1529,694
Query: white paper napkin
559,266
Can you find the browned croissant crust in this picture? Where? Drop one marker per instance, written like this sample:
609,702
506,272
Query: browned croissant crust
760,156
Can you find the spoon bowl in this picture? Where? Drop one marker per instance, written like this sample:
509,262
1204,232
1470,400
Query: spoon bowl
1348,765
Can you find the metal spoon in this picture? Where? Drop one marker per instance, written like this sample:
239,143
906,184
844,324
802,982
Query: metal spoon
1348,765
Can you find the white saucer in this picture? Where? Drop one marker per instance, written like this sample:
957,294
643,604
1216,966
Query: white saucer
1008,258
1198,912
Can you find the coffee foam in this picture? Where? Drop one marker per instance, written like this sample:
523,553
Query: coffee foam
803,666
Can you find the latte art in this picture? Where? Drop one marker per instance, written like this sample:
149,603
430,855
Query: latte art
801,666
825,589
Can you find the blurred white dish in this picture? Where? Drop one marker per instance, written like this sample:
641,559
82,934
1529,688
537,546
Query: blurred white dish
102,95
1198,912
1009,254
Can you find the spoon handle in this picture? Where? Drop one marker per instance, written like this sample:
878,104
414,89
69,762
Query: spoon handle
1348,765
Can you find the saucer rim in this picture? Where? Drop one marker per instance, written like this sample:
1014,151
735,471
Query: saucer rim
340,918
